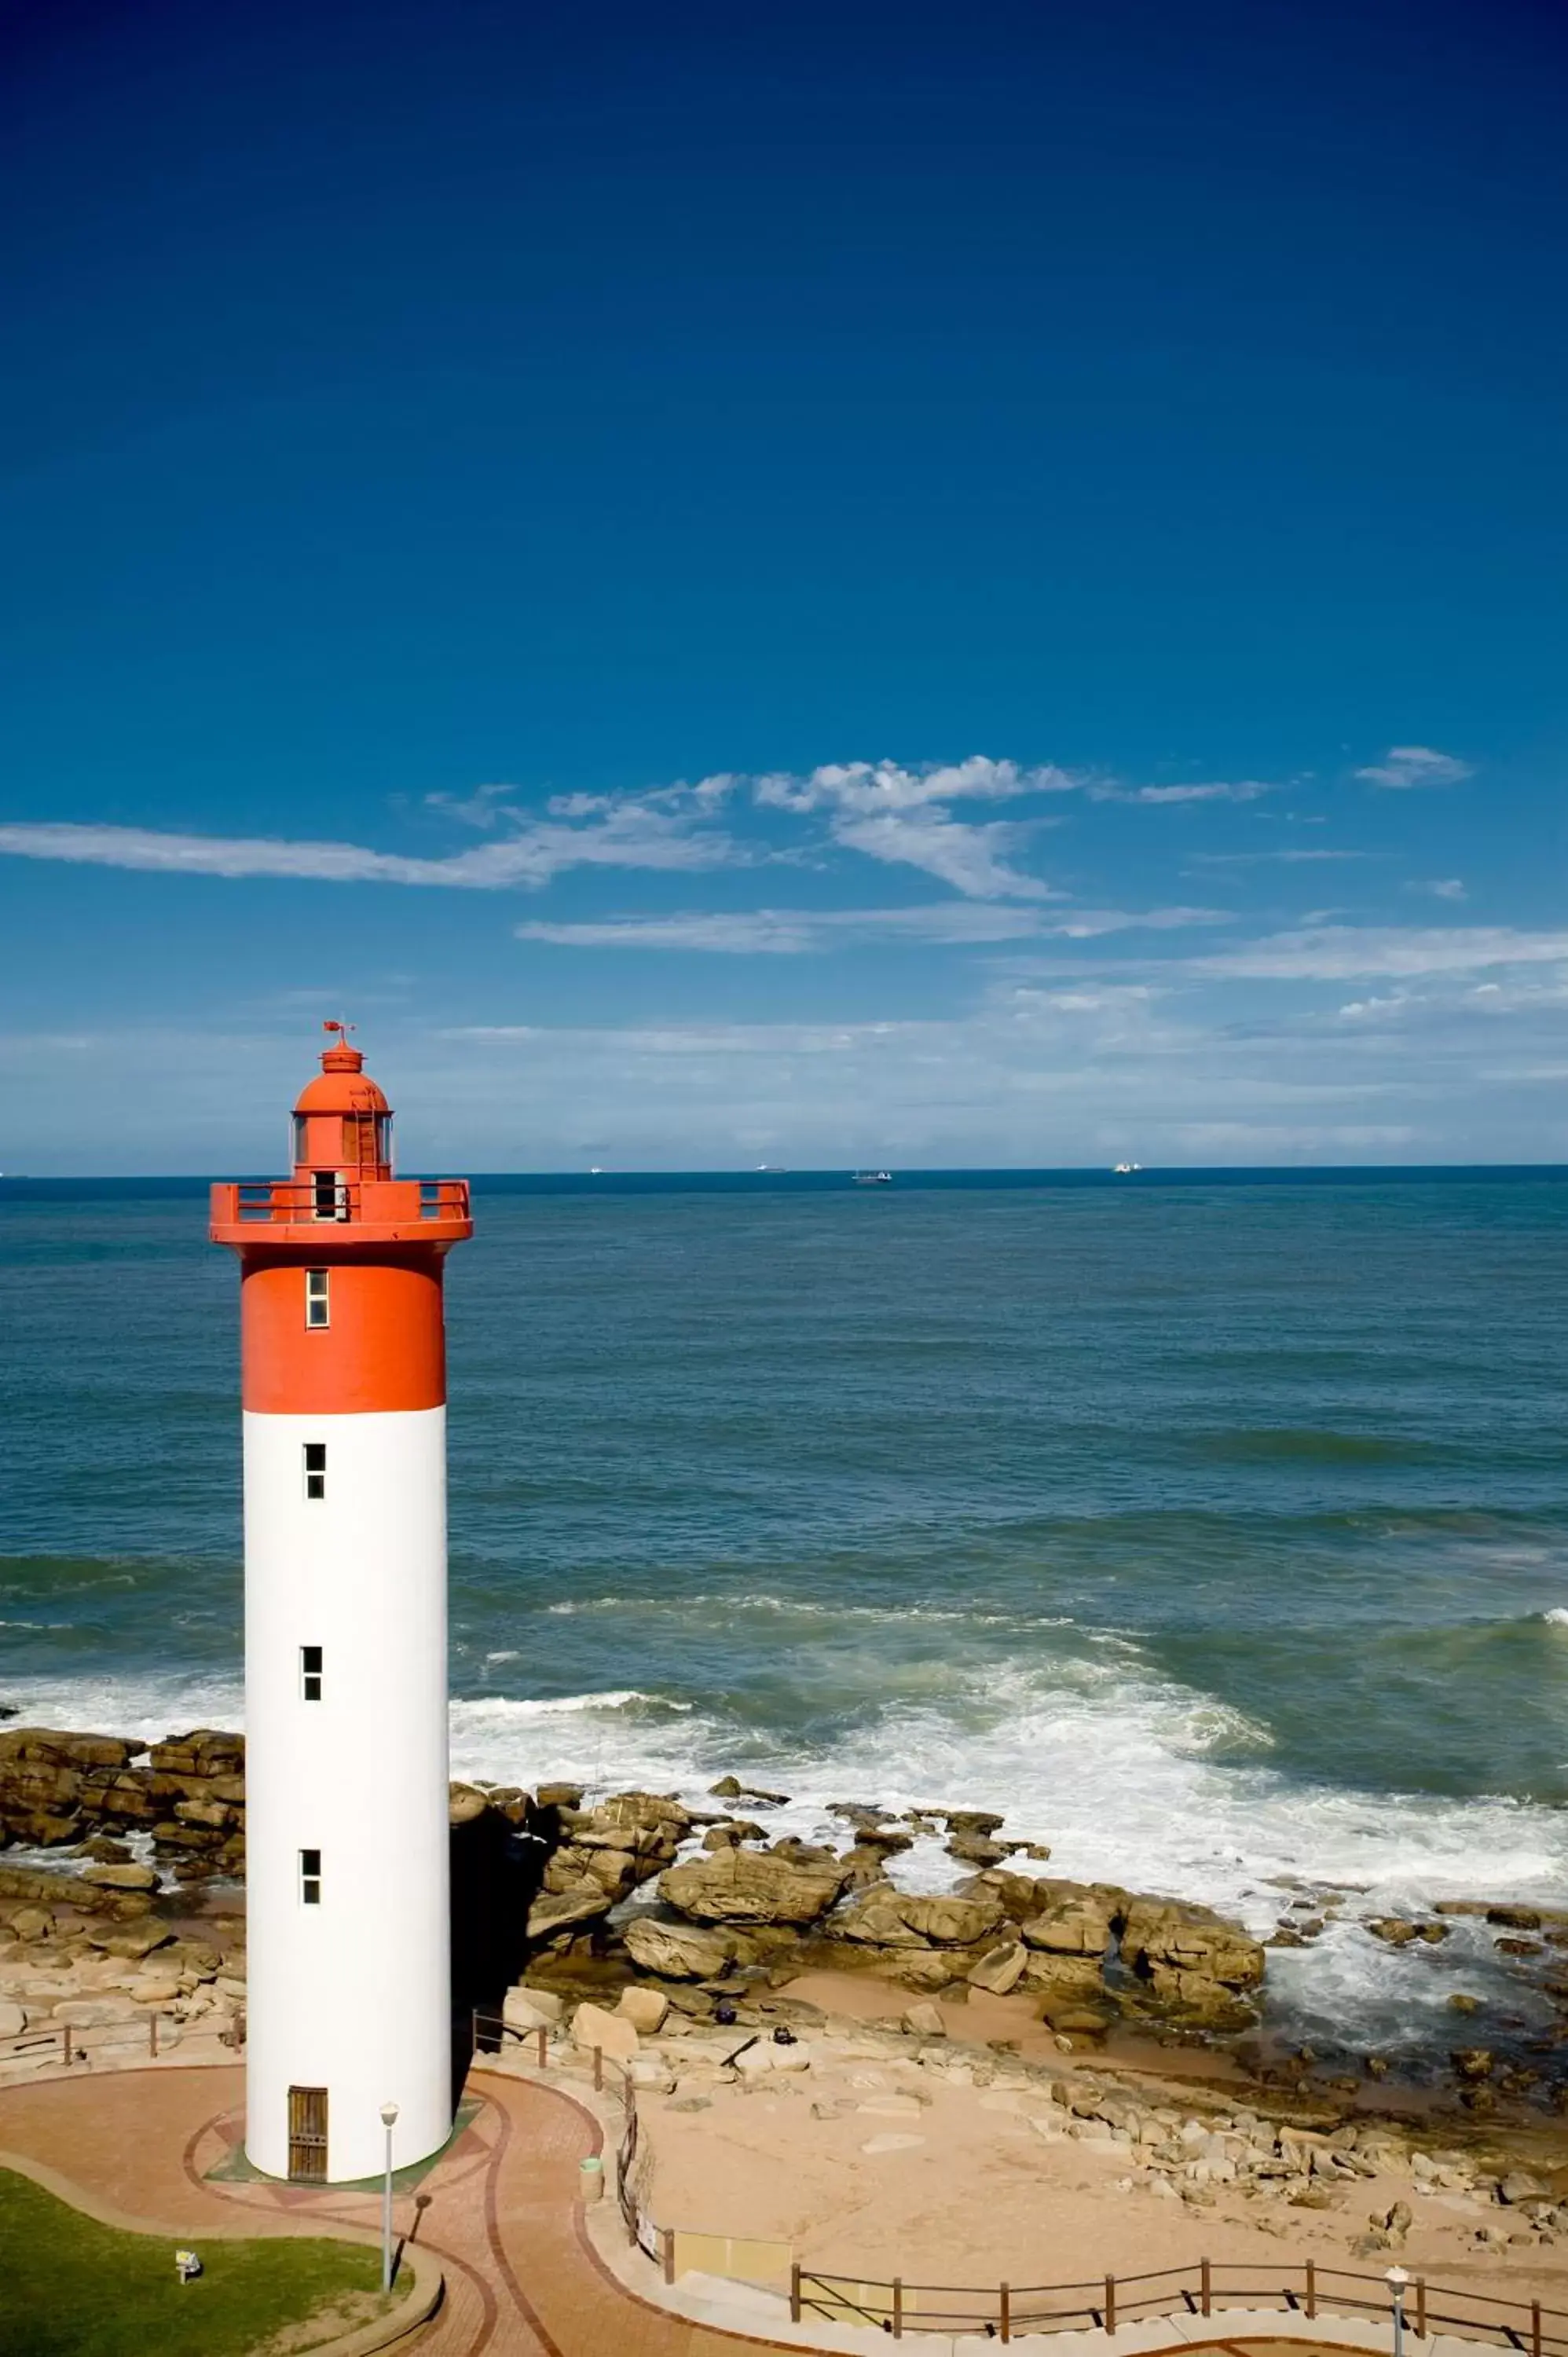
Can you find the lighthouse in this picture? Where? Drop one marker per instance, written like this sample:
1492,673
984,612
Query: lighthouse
344,1395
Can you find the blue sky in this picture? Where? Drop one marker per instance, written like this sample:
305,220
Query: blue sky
917,585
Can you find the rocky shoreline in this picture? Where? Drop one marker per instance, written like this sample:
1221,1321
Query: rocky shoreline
707,1911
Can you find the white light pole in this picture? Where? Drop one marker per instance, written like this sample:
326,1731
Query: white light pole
388,2120
1396,2280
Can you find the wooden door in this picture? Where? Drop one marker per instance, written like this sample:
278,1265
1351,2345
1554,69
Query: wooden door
307,2134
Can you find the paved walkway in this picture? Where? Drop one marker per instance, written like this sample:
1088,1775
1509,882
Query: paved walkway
498,2211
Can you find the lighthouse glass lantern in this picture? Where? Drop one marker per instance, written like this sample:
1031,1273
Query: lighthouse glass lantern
344,1396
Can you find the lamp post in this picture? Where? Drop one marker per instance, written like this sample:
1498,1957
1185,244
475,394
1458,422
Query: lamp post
1396,2280
388,2120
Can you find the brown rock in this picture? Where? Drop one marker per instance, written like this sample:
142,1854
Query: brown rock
35,1886
133,1941
679,1950
1205,2002
802,1853
222,1818
560,1796
616,1870
1001,1969
612,2033
744,1886
53,1746
205,1751
41,1828
1515,1919
921,1968
974,1849
647,1812
1063,1980
645,2008
1075,1927
124,1797
1472,2061
122,1877
1193,1941
558,1911
886,1917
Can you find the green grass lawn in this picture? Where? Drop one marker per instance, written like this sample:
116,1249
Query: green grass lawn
71,2287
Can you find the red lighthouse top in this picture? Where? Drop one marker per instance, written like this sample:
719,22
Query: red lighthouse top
341,1191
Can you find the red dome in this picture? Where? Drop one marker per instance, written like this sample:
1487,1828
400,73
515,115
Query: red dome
342,1085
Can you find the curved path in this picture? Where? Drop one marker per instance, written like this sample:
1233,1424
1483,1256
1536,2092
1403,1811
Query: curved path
498,2211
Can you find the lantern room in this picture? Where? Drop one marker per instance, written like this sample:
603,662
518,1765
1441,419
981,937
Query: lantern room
342,1123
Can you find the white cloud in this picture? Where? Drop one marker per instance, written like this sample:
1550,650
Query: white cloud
1246,789
1350,952
1442,888
628,836
896,815
972,859
867,788
1291,858
1102,1062
790,931
900,815
1083,924
1404,766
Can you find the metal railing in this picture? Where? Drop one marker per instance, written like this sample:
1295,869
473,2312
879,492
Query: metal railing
338,1202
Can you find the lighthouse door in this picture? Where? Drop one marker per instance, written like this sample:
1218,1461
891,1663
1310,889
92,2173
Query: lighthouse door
307,2134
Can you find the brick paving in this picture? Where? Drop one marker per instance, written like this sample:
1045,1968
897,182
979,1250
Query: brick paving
498,2209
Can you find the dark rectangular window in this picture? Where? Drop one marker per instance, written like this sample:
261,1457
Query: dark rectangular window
316,1468
310,1877
318,1300
310,1673
331,1200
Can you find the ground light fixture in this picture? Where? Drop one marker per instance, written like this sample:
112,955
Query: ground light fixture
388,2120
1397,2279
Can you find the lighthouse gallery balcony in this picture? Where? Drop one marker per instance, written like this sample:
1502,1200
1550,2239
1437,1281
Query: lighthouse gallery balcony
325,1208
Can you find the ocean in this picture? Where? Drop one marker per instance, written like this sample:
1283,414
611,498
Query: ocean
1212,1527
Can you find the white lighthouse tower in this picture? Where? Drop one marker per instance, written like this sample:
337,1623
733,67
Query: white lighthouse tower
345,1454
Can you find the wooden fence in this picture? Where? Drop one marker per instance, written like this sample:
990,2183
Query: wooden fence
57,2042
1202,2288
1002,2312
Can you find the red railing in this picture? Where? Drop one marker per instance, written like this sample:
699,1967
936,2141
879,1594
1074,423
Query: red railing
420,1205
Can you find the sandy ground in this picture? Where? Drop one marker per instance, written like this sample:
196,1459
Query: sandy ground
964,2187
